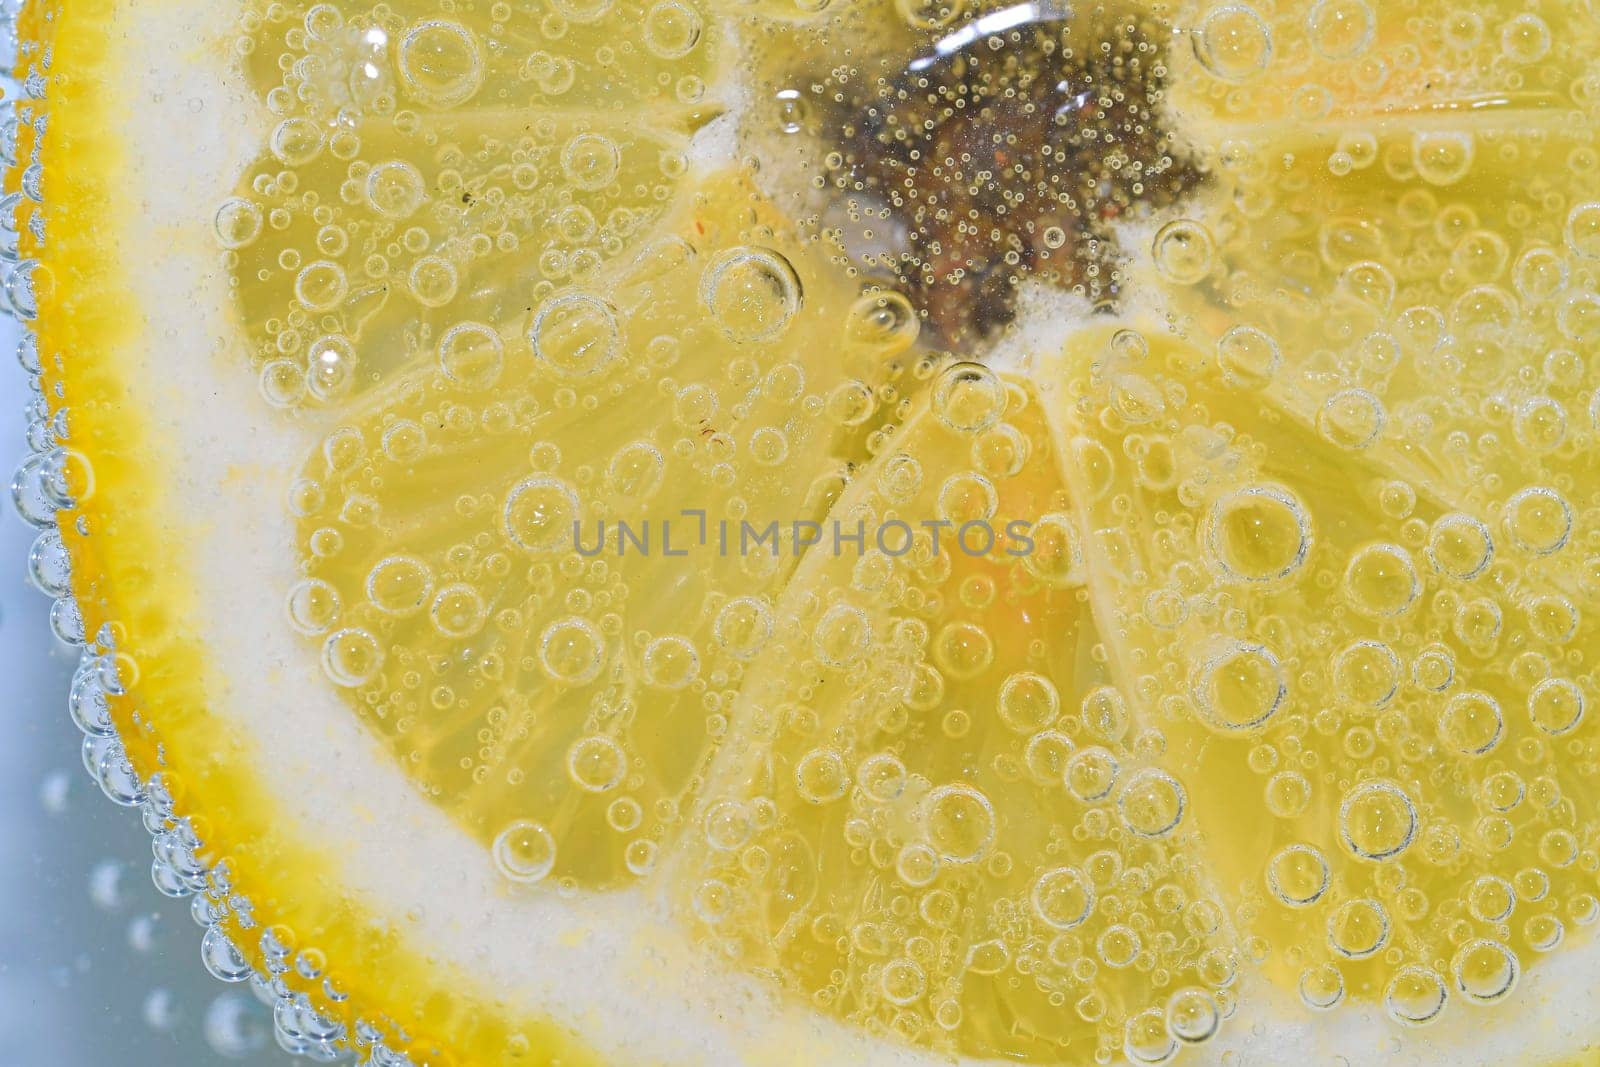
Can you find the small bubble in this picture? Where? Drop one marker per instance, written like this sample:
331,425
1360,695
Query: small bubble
670,662
1471,723
1321,987
596,763
1340,29
399,585
1377,821
351,657
671,29
969,397
1184,251
1028,702
591,161
1247,357
1259,534
441,63
571,651
958,822
1239,687
1415,996
1538,520
575,334
1297,875
821,776
1358,928
1152,803
1233,42
1352,418
524,852
1442,157
1555,705
1367,672
1381,580
930,14
1091,772
238,222
1485,971
1525,39
539,514
395,189
471,355
752,293
1062,897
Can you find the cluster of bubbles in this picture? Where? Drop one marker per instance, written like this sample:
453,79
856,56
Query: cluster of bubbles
46,491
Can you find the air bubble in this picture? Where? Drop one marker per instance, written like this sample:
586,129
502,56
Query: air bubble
471,355
958,823
351,657
1152,803
752,293
575,334
571,651
1471,723
524,852
1258,534
1184,250
1415,996
1298,875
596,763
1381,580
1538,520
1062,897
1377,821
1233,42
1247,357
1485,971
441,63
1460,546
395,189
1239,687
969,397
540,513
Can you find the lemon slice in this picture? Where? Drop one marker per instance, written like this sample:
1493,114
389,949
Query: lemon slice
609,531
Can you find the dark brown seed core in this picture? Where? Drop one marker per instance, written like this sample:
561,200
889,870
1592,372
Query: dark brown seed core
1004,152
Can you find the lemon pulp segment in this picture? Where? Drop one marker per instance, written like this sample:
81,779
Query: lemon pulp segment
1154,615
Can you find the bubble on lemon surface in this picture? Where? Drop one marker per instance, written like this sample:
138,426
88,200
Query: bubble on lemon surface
1471,723
1248,357
596,763
1377,820
395,189
525,851
539,514
575,335
1381,580
1233,42
1485,970
472,355
1538,520
1152,803
1298,875
968,397
441,63
1358,928
959,823
1259,534
752,293
1414,996
1240,686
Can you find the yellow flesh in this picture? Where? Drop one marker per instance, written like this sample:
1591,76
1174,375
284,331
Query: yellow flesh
1000,806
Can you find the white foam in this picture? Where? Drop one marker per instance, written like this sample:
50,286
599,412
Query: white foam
613,968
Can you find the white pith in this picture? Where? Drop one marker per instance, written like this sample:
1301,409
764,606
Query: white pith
616,969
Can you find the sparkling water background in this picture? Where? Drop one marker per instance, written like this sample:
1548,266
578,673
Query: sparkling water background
97,969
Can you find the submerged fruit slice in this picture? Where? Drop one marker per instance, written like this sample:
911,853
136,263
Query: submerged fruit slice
575,569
